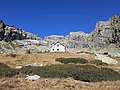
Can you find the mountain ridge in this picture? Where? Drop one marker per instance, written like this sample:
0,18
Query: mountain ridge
104,34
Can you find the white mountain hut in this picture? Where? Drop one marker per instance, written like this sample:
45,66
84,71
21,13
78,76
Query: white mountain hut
57,47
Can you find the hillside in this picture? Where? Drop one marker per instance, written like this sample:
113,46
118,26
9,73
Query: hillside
13,39
19,82
105,33
24,54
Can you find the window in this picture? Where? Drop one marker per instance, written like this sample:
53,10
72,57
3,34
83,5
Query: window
57,45
57,49
53,49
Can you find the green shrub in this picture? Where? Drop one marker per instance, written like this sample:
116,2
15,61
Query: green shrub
72,60
87,73
98,62
53,71
95,74
7,71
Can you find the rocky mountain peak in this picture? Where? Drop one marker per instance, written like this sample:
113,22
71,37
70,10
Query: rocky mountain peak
9,33
104,34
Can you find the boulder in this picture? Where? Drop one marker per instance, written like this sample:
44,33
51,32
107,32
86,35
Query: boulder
34,77
18,67
105,59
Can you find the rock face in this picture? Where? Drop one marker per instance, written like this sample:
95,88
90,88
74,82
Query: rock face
105,33
77,40
115,25
9,33
55,38
73,40
2,29
105,59
13,39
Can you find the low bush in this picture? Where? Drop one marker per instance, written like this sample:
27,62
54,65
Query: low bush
98,62
95,74
87,73
6,71
53,71
72,60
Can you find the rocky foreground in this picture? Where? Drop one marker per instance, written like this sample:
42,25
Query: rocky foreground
13,39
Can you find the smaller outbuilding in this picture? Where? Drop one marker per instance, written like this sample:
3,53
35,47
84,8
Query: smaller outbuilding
57,47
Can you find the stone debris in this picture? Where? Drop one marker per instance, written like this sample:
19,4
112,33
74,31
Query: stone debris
105,59
18,67
35,65
34,77
42,65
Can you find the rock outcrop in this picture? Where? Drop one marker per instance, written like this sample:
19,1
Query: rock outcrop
13,39
105,33
9,33
77,40
105,59
73,40
115,25
2,29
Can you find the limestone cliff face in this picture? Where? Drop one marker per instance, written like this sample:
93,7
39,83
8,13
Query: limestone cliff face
102,34
9,33
2,29
105,33
77,39
12,39
115,25
73,40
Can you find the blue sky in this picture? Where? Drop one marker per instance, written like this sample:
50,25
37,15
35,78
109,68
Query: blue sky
50,17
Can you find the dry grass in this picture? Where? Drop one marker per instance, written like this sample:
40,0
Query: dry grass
19,82
44,58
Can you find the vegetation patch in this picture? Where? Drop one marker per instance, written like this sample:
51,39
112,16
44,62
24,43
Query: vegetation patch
87,73
98,62
6,71
72,60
